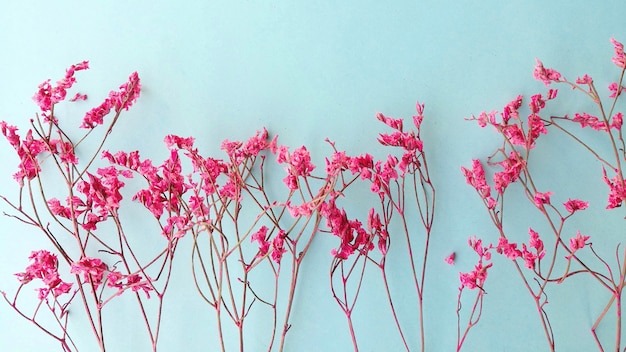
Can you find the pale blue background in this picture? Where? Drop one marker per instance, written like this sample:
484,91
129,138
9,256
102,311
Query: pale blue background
308,70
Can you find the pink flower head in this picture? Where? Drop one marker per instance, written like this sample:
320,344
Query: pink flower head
475,278
586,120
529,257
619,59
47,95
508,249
117,100
617,189
261,237
92,269
573,205
542,198
584,80
44,267
477,246
450,258
537,103
578,242
417,119
510,111
278,246
256,143
114,280
301,162
180,142
476,178
135,283
546,75
513,167
536,242
616,91
338,162
396,124
617,121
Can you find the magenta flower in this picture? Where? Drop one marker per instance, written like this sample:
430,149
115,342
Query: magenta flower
573,205
536,242
44,267
509,250
616,91
546,75
396,124
135,283
578,242
476,178
542,198
117,100
450,258
91,268
619,59
261,237
278,246
47,95
512,166
617,189
584,80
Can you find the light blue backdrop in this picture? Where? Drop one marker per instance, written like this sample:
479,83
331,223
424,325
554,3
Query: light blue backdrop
308,70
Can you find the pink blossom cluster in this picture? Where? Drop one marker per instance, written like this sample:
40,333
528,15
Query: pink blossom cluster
117,101
44,267
93,271
102,197
511,251
617,189
354,238
47,95
275,247
382,175
510,124
299,165
477,277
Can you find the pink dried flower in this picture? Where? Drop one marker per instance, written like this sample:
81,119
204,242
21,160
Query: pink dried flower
79,96
546,75
509,250
513,166
476,178
586,120
529,257
135,283
619,59
573,205
510,111
300,161
542,198
114,280
450,258
617,121
261,237
475,278
122,99
578,242
47,95
616,91
584,80
536,103
617,189
278,246
396,124
417,119
536,242
91,268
